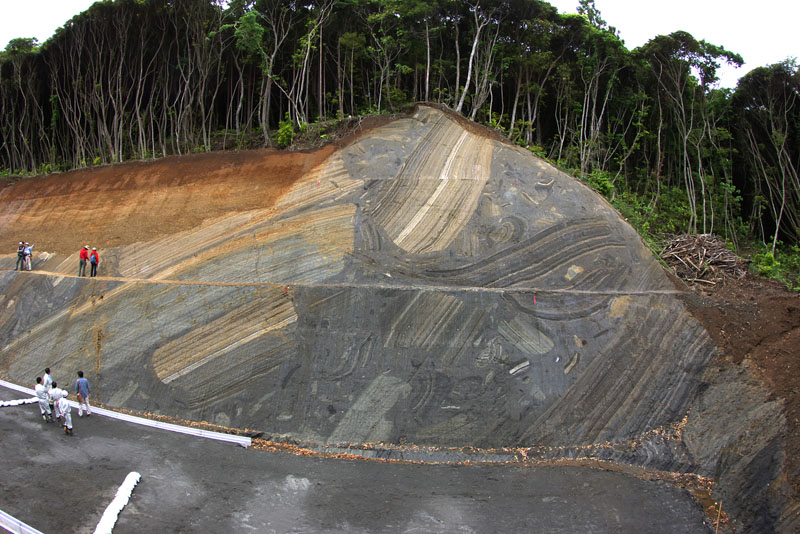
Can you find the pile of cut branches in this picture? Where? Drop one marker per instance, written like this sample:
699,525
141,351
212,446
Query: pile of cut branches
702,259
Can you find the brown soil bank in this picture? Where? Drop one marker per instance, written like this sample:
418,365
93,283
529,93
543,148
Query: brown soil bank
426,285
141,201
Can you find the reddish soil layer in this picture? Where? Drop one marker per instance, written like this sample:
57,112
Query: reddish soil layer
139,201
127,203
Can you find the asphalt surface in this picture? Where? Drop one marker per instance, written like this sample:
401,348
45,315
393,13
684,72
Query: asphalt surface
60,483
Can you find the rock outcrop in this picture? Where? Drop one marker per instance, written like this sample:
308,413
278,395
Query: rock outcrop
425,284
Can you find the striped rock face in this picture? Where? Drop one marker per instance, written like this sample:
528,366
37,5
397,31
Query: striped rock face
426,284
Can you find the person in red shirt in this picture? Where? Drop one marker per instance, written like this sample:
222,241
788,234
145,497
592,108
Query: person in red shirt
94,259
84,258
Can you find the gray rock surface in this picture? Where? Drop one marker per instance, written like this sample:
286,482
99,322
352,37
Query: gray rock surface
424,285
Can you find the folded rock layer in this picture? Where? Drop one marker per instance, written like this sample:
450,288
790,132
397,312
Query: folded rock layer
425,284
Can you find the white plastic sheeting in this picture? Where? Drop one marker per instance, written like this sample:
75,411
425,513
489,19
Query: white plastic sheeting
122,497
12,524
219,436
18,402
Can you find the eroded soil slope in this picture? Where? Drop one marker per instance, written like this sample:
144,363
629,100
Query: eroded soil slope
140,201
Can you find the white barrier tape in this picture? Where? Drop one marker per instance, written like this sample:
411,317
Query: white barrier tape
12,524
122,497
18,402
207,434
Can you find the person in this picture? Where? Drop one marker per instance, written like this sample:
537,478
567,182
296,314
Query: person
82,391
26,252
20,256
56,394
84,255
44,405
47,382
65,415
94,259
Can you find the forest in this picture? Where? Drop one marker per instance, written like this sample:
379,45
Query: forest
648,128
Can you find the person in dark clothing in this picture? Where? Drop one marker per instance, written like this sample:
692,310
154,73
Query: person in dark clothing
20,256
84,255
94,259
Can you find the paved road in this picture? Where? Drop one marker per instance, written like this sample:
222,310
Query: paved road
58,483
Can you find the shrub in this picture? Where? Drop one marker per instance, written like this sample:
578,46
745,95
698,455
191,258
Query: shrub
601,182
784,265
765,264
285,134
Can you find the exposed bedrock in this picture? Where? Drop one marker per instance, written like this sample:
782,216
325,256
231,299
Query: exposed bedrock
423,285
733,434
341,363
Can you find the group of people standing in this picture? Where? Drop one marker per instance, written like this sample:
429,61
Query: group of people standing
24,250
53,400
93,258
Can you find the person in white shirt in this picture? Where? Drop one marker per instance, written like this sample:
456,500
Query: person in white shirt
26,253
44,401
56,393
47,382
64,408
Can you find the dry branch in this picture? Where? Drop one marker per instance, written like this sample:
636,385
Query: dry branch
702,258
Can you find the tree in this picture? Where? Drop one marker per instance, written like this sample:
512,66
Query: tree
387,40
672,59
22,117
768,100
481,18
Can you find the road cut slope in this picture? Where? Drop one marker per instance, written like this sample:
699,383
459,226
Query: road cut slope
425,284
